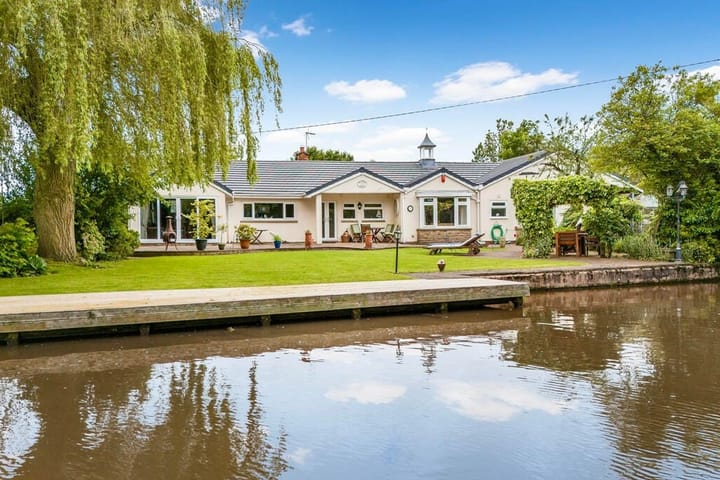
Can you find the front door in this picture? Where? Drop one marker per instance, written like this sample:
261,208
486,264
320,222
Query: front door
329,220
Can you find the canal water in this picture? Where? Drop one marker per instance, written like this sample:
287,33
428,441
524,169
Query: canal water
598,384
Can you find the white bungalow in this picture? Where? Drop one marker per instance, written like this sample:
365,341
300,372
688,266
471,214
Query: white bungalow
430,201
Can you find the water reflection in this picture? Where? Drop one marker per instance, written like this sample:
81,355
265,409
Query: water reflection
617,383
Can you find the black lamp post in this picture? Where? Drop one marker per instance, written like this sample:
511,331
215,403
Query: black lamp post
397,247
678,195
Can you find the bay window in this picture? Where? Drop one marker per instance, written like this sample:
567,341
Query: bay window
445,212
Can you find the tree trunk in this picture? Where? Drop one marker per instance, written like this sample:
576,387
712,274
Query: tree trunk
54,211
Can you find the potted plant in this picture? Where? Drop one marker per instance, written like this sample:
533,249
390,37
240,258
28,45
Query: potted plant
308,239
345,237
222,230
245,234
277,240
201,219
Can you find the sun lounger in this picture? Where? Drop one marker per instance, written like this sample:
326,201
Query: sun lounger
471,243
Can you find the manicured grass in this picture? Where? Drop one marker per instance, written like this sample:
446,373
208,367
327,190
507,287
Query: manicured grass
272,267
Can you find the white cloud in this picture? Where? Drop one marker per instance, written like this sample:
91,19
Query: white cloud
367,392
366,91
491,80
300,455
713,71
265,32
298,27
253,40
493,402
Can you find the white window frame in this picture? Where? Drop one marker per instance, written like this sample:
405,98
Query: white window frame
459,203
377,207
498,204
349,208
285,215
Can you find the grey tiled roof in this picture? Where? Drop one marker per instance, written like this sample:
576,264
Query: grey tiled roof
292,179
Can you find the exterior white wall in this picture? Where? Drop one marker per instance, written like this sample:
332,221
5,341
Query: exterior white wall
499,191
291,229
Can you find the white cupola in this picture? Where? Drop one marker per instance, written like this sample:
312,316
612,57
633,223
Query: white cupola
427,153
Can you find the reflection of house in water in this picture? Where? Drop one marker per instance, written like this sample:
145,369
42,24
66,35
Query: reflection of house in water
565,343
428,355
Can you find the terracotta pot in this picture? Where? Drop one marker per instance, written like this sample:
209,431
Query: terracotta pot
244,244
308,240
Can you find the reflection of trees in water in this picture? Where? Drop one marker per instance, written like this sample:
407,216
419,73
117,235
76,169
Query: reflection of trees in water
654,355
177,421
204,434
670,411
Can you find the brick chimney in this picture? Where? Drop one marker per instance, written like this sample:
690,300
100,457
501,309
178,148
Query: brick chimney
302,154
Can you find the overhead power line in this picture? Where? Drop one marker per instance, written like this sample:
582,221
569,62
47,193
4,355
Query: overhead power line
467,104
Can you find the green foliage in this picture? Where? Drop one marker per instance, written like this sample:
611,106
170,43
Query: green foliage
245,231
662,126
202,219
508,142
640,247
315,153
103,199
569,144
93,243
535,199
17,251
610,221
155,89
701,251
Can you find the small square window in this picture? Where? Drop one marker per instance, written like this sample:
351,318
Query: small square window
498,209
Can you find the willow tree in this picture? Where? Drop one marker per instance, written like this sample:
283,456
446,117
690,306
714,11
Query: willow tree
162,89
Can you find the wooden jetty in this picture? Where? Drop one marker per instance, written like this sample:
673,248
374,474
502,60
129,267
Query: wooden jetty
39,316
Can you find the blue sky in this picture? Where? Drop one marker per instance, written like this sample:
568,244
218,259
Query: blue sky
346,59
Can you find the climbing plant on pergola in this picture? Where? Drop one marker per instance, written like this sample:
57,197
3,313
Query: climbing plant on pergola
534,201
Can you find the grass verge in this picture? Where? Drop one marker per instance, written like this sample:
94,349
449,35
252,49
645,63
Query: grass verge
272,267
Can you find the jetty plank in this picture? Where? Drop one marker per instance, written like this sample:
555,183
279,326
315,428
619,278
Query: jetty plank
48,313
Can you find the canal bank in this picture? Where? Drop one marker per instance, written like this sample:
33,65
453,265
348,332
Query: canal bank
25,318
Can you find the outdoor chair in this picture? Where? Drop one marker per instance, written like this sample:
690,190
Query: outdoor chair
355,232
472,243
387,234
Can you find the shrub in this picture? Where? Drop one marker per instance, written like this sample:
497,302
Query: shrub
18,248
701,251
640,247
92,242
120,243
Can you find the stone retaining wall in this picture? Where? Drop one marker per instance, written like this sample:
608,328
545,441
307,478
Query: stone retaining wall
609,277
440,235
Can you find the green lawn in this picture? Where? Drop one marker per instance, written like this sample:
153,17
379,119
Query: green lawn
272,267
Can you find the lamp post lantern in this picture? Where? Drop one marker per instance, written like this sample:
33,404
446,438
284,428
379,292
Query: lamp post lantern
397,234
678,195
